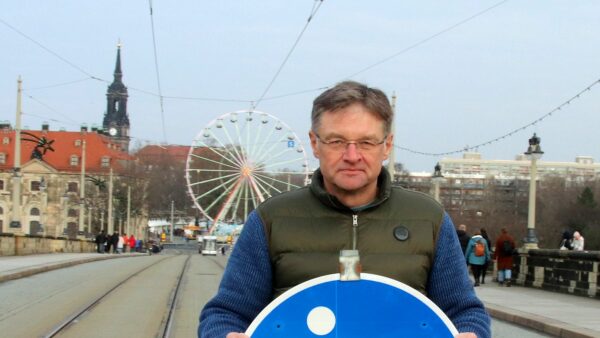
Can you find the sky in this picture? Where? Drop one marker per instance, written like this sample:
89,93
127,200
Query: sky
464,72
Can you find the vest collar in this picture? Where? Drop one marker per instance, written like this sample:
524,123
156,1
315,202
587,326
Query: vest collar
317,187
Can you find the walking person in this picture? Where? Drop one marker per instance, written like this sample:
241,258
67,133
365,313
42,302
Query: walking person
115,242
100,240
578,241
463,237
477,254
489,256
505,248
109,243
350,204
132,243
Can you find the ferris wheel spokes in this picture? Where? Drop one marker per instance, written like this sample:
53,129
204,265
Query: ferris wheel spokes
241,158
214,179
234,166
223,194
223,148
263,156
216,188
276,180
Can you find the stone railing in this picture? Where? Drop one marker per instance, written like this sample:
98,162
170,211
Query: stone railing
573,272
11,245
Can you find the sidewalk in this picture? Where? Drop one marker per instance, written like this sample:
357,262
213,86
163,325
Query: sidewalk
14,267
556,314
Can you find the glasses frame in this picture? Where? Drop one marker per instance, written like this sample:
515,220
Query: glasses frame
359,144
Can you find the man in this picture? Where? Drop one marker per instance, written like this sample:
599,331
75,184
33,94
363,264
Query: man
100,240
350,204
463,237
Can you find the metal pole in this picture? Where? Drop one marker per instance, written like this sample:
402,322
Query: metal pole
82,192
531,241
129,231
436,194
172,220
16,180
392,158
111,224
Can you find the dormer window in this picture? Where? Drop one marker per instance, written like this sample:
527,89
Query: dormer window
5,140
105,162
74,160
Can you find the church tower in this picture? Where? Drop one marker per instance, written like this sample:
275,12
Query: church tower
116,120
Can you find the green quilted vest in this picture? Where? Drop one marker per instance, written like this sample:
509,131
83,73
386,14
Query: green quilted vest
307,228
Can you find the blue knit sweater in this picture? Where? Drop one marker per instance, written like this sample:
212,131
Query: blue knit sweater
246,285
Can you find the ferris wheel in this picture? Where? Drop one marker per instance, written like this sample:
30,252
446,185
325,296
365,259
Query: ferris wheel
240,159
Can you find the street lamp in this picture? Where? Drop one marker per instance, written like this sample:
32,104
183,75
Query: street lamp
437,178
534,152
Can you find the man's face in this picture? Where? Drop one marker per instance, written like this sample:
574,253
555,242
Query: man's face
353,169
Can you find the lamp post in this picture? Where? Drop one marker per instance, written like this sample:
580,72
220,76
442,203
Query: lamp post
534,152
437,178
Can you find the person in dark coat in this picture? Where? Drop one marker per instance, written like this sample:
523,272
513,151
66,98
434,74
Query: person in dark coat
505,248
115,241
487,261
100,239
463,237
108,243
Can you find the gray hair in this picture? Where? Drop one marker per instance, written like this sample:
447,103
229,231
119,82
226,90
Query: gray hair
346,93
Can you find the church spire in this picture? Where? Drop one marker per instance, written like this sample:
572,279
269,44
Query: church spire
118,73
116,119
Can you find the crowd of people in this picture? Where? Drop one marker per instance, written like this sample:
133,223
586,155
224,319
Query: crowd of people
479,254
117,243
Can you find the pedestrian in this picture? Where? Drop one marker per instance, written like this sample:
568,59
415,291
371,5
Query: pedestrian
109,243
485,268
578,241
566,242
120,243
125,242
476,255
505,248
463,237
132,242
115,242
350,204
100,239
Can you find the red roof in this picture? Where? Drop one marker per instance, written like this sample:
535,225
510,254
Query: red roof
153,153
66,144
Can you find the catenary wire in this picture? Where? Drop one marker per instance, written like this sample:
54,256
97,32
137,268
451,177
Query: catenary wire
512,132
314,11
162,108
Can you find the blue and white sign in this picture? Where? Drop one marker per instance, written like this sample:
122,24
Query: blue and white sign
291,144
374,306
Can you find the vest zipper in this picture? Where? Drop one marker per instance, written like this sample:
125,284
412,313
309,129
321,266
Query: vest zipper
354,230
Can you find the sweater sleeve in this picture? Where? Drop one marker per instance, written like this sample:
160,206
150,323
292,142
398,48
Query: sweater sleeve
245,287
449,286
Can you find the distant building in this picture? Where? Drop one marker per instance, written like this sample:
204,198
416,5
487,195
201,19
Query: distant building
51,168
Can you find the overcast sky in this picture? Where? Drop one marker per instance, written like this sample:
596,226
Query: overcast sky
463,75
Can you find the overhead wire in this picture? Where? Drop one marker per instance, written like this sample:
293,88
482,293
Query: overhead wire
316,5
429,38
162,108
510,133
81,70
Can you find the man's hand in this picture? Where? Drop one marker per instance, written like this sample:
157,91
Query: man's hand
241,335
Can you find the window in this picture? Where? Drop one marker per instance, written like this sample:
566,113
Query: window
1,211
35,185
77,143
74,160
105,162
34,212
1,184
72,187
72,213
2,158
5,140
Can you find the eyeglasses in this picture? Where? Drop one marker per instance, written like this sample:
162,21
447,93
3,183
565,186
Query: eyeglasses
340,145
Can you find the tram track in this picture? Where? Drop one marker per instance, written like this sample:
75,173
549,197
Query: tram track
78,318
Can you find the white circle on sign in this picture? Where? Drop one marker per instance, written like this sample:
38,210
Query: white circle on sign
320,320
